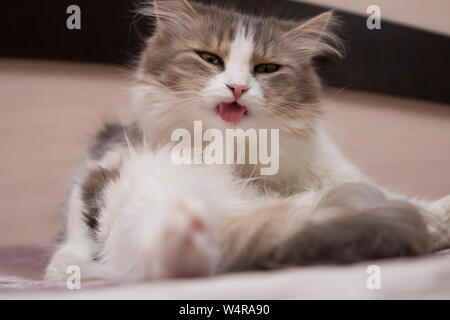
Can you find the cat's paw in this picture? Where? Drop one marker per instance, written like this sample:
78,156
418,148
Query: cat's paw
69,259
442,208
56,270
187,246
159,240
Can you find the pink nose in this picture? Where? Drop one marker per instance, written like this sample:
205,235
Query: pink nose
238,90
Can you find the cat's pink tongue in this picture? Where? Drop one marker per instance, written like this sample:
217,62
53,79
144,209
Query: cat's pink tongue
231,112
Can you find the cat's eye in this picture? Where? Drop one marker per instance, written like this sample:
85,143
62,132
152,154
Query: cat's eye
210,58
266,68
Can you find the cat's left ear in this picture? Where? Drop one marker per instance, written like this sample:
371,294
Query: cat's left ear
173,15
316,36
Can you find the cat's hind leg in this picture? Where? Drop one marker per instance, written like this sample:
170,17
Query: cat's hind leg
346,224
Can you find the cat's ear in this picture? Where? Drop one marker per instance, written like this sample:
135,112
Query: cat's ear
173,15
316,36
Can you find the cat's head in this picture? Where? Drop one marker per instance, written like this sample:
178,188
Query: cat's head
229,69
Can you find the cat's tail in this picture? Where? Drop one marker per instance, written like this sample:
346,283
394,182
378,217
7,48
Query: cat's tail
350,223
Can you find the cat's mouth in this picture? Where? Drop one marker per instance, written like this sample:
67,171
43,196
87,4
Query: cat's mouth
231,112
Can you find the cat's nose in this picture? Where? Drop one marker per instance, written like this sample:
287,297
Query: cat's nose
238,90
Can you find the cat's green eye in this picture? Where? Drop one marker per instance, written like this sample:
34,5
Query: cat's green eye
266,68
210,58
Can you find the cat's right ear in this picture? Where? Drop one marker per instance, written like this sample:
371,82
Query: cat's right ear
173,16
316,36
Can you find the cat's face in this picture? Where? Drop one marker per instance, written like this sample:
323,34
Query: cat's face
229,69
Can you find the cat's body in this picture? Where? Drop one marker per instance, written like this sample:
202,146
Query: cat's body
134,214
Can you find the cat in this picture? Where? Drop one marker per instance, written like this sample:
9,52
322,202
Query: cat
133,214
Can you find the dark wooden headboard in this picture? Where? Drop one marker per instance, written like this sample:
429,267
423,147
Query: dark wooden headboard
397,59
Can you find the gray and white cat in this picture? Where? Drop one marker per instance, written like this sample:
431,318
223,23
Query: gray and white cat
133,214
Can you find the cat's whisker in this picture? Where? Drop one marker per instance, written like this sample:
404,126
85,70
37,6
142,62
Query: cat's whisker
131,149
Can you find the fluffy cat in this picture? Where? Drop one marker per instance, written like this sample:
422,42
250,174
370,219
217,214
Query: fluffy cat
133,214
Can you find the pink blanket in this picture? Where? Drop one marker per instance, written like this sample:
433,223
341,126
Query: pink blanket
22,269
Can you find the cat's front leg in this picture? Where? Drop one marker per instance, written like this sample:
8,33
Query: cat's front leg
150,241
145,240
146,219
159,219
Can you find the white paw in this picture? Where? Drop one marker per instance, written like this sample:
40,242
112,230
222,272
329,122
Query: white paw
188,246
146,241
61,260
68,259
